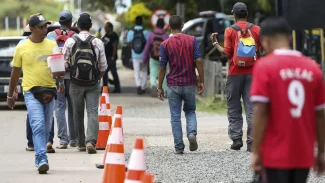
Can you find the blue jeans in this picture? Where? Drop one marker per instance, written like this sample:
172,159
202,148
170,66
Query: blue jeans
29,133
176,95
72,130
40,117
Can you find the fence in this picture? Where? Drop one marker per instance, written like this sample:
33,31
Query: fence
215,79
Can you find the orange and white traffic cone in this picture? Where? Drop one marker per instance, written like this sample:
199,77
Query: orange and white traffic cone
147,178
105,93
136,164
118,114
104,125
114,171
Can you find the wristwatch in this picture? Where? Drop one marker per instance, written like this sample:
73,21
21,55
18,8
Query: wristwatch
215,43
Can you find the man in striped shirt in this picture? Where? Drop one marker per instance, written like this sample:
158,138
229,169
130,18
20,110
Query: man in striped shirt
182,53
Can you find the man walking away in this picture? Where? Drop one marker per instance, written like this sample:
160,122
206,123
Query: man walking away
110,40
87,64
39,87
138,38
239,38
182,53
152,52
61,35
288,93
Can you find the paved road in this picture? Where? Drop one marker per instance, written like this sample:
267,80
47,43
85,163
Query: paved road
145,117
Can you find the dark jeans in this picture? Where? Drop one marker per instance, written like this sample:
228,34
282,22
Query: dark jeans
286,175
116,79
238,87
29,133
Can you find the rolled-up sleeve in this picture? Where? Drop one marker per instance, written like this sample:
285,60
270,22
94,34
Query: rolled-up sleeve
102,63
163,60
66,51
197,53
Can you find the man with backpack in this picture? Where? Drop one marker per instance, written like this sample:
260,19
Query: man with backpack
152,52
241,46
85,55
138,38
61,35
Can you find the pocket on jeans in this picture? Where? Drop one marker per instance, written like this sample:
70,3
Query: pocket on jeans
172,92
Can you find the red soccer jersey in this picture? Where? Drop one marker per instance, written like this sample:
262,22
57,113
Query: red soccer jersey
293,86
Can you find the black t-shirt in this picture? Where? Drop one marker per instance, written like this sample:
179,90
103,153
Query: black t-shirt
109,40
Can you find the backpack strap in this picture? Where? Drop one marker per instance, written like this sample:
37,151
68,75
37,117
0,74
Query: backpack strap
249,26
58,31
70,33
236,27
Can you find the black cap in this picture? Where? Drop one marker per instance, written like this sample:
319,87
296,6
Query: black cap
37,20
84,18
65,16
239,7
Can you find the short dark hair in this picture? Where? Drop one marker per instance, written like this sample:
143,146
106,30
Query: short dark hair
110,25
66,23
84,26
138,20
160,23
175,22
272,26
241,15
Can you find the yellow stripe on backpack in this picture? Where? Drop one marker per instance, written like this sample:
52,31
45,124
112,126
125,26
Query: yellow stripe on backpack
249,41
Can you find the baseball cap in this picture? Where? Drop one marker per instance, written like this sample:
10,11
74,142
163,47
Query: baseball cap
27,29
64,16
37,20
239,7
84,18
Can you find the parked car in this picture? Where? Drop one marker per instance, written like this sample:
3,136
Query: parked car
7,48
208,23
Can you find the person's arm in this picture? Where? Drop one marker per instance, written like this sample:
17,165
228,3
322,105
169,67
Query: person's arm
162,71
199,65
115,44
227,49
102,62
146,55
260,98
130,38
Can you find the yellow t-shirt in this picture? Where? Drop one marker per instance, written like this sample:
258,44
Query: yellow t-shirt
31,57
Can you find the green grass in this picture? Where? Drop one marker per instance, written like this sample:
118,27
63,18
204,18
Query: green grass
11,32
212,106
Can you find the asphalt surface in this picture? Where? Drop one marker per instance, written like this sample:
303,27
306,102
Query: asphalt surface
145,117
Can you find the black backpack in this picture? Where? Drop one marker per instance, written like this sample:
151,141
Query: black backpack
84,66
139,41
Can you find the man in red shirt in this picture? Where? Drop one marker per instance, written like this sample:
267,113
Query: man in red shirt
239,77
288,94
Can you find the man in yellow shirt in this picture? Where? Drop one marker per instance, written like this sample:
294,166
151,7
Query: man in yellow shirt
38,85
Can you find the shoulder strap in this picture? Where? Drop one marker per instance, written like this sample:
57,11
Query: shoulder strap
249,26
58,31
236,27
70,33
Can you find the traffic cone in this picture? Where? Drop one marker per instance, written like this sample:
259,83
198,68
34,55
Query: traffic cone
104,125
118,114
147,178
136,164
105,93
114,171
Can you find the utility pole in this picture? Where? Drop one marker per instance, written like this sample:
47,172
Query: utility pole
180,9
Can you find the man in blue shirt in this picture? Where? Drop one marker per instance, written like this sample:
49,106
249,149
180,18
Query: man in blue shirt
137,38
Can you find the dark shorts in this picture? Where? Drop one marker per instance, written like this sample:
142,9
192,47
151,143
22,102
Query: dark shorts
286,175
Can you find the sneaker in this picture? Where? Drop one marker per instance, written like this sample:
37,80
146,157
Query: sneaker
139,90
49,148
153,92
82,148
249,148
193,143
29,148
73,144
43,168
179,151
237,144
90,148
62,146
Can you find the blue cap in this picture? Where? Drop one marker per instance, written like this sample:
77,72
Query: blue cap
65,16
